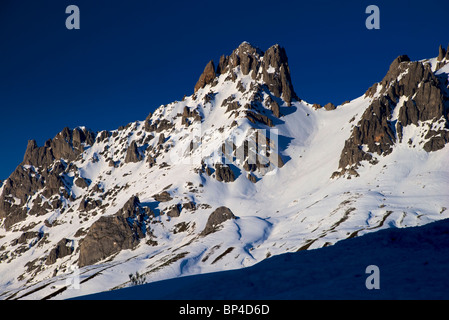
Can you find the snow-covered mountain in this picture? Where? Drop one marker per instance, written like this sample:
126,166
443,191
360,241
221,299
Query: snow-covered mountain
239,171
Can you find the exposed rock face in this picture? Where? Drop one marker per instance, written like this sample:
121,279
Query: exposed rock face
271,67
25,182
107,236
441,53
174,211
81,183
224,173
62,249
377,132
67,145
246,56
112,234
274,106
206,77
437,140
216,218
88,204
164,196
188,114
279,81
131,208
329,106
132,154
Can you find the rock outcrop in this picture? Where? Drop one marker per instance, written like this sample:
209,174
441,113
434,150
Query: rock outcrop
133,154
206,77
111,234
441,53
216,218
276,74
224,173
271,67
62,249
42,169
377,131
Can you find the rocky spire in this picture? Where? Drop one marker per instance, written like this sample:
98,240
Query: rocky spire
276,73
206,77
441,53
271,67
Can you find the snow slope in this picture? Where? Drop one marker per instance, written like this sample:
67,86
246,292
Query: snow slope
412,264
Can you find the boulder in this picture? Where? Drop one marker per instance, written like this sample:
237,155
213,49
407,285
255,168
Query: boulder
174,211
216,218
164,196
81,183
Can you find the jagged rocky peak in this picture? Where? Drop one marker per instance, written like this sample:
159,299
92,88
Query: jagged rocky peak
270,68
68,144
441,53
41,170
409,94
206,77
443,57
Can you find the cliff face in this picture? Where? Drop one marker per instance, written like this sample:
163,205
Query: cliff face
409,94
42,170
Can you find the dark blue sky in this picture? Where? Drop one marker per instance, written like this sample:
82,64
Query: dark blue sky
131,56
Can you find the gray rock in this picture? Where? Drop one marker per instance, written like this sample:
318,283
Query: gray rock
271,66
441,53
174,211
224,173
256,117
437,140
132,154
81,183
216,218
252,178
88,204
274,107
111,234
278,80
189,206
131,208
107,236
61,250
164,196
